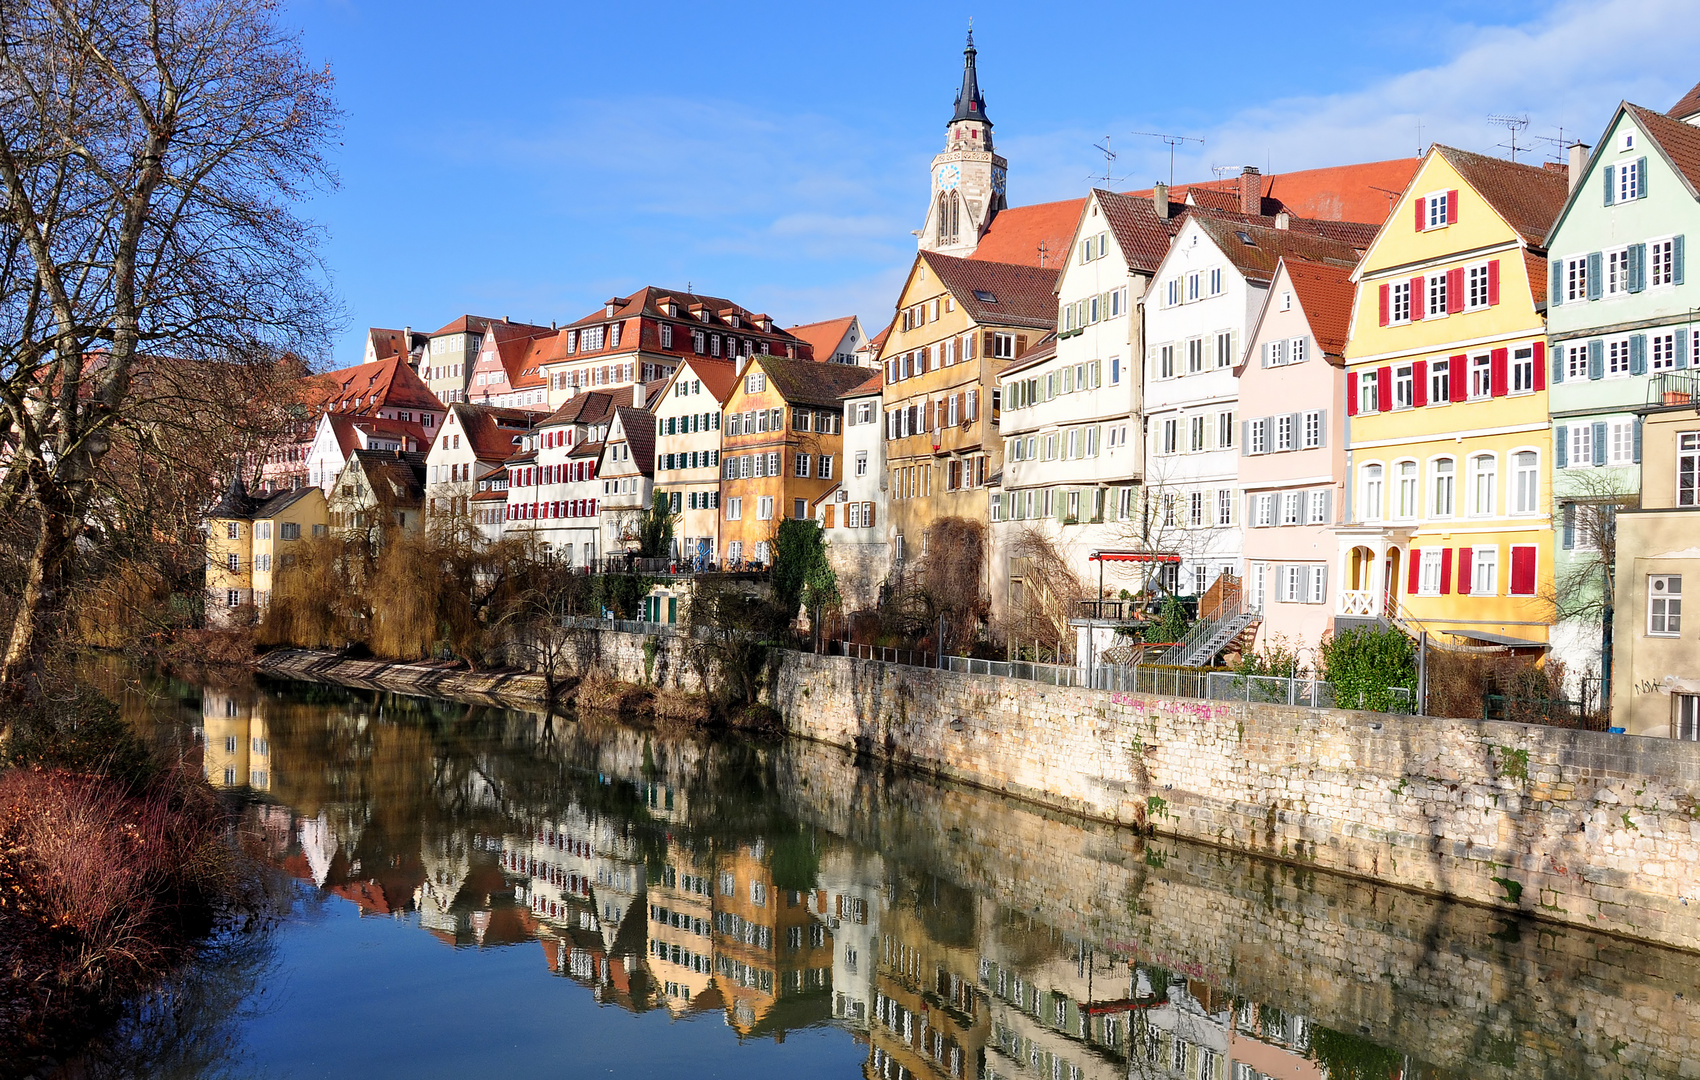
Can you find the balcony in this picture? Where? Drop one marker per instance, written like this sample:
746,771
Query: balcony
1674,388
1359,603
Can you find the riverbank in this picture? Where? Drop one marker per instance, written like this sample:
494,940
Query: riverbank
1575,827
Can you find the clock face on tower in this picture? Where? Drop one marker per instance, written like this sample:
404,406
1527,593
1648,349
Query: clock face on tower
999,178
949,177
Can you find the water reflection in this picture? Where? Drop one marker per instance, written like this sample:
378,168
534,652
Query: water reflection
949,933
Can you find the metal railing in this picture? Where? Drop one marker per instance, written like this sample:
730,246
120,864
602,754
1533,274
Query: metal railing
1674,388
1106,610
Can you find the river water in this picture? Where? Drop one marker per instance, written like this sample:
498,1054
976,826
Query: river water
472,891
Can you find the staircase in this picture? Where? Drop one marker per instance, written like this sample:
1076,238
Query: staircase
1228,622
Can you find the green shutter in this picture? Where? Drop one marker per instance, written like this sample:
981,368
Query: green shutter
1637,440
1611,190
1599,442
1637,267
1676,260
1555,295
1681,349
1638,354
1641,178
1561,445
1596,359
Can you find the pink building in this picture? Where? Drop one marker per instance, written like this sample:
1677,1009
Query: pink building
1292,452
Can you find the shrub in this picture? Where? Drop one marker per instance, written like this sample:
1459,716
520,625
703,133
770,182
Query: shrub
77,730
1365,663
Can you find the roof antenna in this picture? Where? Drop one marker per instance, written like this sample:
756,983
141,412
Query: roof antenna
1109,159
1512,125
1171,141
1558,141
1419,136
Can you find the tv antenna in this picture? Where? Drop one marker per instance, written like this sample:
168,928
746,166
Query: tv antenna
1559,141
1512,125
1109,160
1392,196
1223,171
1171,141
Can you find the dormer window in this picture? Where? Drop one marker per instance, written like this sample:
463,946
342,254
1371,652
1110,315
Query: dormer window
1628,141
608,309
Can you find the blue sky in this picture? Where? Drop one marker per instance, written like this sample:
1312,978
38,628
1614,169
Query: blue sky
533,159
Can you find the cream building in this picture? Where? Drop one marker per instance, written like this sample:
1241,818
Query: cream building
251,542
852,512
688,418
474,441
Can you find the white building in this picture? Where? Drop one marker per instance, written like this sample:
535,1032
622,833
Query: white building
1207,291
473,442
687,453
626,471
850,513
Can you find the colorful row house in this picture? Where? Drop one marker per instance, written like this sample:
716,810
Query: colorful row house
1448,521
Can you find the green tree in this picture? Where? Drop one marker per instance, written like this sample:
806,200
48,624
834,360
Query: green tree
1365,663
655,528
802,575
1172,624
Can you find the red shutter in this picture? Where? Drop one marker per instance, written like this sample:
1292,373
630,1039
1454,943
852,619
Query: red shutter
1452,207
1498,382
1522,570
1455,291
1352,390
1386,302
1445,571
1417,298
1419,385
1421,205
1464,569
1458,388
1493,282
1413,575
1540,365
1384,389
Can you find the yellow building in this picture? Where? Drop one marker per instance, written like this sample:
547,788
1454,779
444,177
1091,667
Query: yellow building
960,323
1449,509
250,542
236,751
1655,671
769,950
781,448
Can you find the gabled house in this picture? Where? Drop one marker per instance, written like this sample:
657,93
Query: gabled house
835,341
473,441
251,542
1620,329
850,512
506,373
559,476
386,392
626,471
1448,522
446,362
688,421
376,492
780,448
338,435
1292,455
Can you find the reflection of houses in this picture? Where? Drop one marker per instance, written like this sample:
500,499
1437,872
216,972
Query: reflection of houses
1053,1001
930,1016
681,931
769,949
850,897
238,749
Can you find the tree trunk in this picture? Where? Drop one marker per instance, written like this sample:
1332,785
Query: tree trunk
20,674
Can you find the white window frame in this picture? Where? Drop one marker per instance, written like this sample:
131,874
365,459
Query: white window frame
1491,476
1661,262
1484,570
1443,488
1428,571
1664,605
1372,491
1408,490
1575,279
1399,303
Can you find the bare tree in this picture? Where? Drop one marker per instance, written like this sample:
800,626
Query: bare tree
1582,584
1049,588
150,155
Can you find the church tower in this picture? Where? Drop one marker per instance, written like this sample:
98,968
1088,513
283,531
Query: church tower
968,179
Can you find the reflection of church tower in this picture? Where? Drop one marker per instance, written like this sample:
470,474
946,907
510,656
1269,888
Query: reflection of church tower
968,179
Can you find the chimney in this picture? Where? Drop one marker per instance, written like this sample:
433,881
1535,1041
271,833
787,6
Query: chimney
1251,190
1578,162
1160,199
638,401
504,318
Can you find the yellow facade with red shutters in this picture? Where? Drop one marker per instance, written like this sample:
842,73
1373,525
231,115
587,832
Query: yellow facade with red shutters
1449,514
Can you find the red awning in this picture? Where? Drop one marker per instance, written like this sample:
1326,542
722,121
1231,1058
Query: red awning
1130,556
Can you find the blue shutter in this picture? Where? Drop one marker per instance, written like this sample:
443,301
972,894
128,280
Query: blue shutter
1561,444
1638,354
1640,178
1596,264
1557,352
1555,295
1637,440
1611,184
1596,359
1637,267
1569,526
1599,442
1681,349
1676,260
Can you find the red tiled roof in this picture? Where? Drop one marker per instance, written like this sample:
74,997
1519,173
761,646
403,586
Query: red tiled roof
590,407
639,428
1326,293
476,324
386,343
867,388
1528,197
1688,105
647,302
1537,269
824,336
1256,249
1016,295
718,376
1363,192
490,430
391,380
879,339
1017,234
1679,141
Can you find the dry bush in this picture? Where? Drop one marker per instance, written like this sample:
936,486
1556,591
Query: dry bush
1458,682
946,585
1049,587
315,601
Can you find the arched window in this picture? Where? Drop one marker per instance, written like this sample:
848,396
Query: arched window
1442,493
1407,492
1484,475
1372,493
950,217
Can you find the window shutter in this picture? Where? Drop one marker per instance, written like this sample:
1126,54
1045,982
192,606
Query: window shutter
1465,571
1322,428
1455,290
1540,365
1020,344
1561,446
1328,506
1319,584
1676,260
1413,574
1498,382
988,343
1595,262
1265,351
1522,570
1351,392
1455,382
1493,282
1637,447
1682,348
1421,205
1417,298
1386,302
1569,538
1303,591
831,517
1452,207
1596,359
1555,292
1611,184
868,515
1599,442
1245,438
1637,353
1640,178
1637,267
1419,383
1445,571
1384,389
1280,581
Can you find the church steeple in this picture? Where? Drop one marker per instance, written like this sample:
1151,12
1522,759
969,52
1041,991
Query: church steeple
969,104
